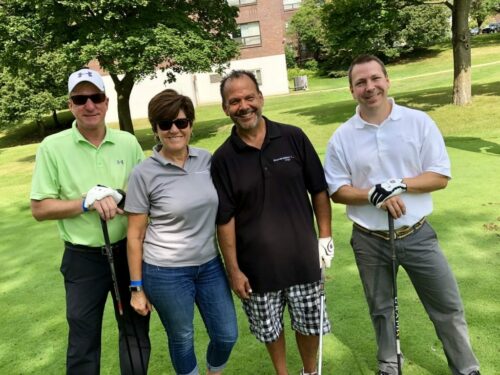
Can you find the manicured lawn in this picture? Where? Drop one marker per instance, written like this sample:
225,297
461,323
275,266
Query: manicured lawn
466,218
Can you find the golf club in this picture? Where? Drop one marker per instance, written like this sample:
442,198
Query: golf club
395,290
109,255
322,317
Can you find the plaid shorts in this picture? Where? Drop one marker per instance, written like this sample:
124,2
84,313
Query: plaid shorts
265,311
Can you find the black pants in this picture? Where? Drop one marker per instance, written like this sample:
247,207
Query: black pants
87,280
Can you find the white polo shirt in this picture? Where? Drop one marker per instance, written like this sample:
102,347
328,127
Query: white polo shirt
182,206
407,144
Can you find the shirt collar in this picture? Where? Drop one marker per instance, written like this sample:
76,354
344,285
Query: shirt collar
192,152
272,132
78,137
394,115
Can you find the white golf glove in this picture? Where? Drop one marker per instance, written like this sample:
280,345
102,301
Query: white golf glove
326,251
381,192
99,192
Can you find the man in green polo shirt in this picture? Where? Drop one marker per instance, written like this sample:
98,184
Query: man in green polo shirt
77,172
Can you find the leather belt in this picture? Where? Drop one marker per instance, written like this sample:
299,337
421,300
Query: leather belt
97,249
398,233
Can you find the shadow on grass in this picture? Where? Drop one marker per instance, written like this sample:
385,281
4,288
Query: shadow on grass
424,100
473,144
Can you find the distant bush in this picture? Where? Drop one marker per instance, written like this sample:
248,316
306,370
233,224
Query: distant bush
336,73
295,72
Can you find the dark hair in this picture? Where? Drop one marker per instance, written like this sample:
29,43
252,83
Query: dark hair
363,59
167,104
237,74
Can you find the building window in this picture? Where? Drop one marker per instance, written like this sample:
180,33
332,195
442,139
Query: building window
258,76
291,4
248,34
241,2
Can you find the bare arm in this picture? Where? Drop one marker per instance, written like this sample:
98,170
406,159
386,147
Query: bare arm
427,182
56,209
323,214
350,195
137,225
424,183
226,235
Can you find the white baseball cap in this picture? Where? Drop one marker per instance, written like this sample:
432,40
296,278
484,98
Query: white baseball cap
85,75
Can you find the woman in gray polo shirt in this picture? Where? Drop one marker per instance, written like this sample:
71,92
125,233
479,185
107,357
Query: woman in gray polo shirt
173,257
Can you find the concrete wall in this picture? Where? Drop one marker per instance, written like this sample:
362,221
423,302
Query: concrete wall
198,87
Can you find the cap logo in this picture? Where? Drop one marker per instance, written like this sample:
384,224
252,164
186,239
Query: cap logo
89,73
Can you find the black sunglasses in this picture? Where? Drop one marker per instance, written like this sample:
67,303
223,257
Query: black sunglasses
82,99
180,123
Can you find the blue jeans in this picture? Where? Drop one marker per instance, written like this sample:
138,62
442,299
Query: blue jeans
173,291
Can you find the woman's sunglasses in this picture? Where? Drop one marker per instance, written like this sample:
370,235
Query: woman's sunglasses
82,99
180,123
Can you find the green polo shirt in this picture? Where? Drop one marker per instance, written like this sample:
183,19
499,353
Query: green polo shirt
67,166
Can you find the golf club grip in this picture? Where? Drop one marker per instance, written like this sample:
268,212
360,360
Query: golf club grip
121,204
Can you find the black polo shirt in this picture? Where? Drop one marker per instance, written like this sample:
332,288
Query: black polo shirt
266,191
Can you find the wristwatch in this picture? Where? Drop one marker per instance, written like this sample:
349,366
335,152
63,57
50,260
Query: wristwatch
135,288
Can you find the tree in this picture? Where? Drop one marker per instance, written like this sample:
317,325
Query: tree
385,28
423,26
462,75
364,26
481,9
306,25
34,75
131,39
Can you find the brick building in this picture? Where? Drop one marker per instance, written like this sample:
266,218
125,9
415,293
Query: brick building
261,33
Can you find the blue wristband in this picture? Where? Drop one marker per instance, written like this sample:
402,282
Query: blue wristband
135,282
84,209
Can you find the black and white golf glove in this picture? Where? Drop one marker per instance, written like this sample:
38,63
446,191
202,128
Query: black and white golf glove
99,192
381,192
326,250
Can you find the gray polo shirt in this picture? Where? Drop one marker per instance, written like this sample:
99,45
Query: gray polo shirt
181,204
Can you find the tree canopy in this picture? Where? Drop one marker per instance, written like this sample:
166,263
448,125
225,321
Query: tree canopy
385,28
481,9
130,39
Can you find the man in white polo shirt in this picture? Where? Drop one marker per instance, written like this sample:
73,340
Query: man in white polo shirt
390,158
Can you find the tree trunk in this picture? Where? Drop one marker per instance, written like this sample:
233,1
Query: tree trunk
461,53
57,123
123,89
41,128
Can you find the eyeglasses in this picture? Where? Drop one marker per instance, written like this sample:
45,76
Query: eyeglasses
82,99
180,123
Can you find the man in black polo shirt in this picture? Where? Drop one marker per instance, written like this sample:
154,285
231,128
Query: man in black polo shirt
264,173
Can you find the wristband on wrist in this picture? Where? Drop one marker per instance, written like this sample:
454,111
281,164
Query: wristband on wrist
135,282
84,209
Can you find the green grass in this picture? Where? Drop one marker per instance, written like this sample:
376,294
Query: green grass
466,217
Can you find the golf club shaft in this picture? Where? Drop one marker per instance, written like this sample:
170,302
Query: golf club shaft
109,254
395,290
321,320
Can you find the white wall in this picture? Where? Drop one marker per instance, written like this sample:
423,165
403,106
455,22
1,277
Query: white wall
198,86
